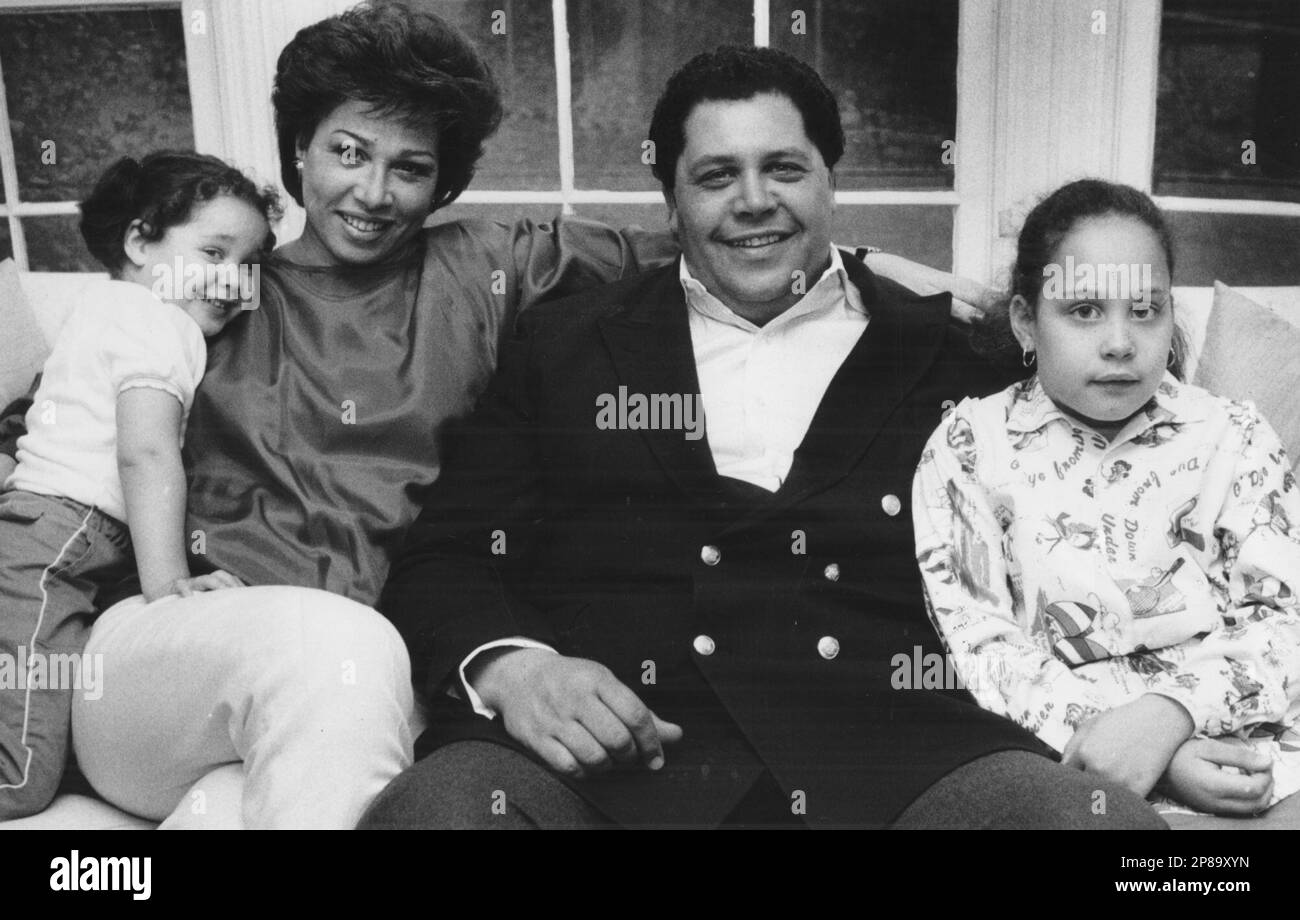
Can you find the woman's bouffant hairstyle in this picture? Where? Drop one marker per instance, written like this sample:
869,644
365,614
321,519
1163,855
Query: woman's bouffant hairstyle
734,72
1044,229
161,191
402,62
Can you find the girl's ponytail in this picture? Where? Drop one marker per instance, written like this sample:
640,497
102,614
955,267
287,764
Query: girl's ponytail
108,212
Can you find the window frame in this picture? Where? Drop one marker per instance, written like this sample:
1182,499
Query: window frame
569,194
201,67
1090,107
1024,70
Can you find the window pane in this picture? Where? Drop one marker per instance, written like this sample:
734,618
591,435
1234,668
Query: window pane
54,244
921,233
893,67
1239,249
623,52
87,88
6,243
524,153
1229,74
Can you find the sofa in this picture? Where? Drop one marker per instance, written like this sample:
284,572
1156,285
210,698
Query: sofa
1244,343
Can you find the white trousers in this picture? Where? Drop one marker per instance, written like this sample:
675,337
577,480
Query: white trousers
253,707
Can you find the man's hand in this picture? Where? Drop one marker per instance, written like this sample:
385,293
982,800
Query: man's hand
970,299
214,581
573,713
1131,744
7,464
1196,776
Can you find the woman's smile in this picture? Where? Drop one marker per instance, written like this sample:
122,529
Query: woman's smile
368,227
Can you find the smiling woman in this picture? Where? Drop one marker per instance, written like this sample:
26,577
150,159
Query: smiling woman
371,177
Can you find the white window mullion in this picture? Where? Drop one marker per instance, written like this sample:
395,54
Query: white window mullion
1229,206
202,73
914,198
563,103
1136,80
762,23
43,208
976,168
9,175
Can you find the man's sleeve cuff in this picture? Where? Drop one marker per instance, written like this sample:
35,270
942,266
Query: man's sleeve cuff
467,691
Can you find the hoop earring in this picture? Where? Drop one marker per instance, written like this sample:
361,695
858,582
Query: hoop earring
1173,358
1028,358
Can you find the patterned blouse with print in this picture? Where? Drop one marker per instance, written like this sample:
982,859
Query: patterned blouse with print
1069,575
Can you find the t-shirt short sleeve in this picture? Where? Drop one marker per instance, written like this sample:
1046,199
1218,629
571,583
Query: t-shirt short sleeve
148,343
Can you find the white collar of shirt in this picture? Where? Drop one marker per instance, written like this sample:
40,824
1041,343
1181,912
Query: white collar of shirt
1172,403
761,386
822,297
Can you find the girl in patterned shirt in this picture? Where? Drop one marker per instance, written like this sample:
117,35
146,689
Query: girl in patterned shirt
1112,556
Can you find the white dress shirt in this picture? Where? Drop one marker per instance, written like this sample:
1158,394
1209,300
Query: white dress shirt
760,386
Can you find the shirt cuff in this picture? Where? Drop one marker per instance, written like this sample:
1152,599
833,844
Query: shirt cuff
152,383
469,695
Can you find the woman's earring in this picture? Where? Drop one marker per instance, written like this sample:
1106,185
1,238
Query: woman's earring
1027,359
1173,358
297,161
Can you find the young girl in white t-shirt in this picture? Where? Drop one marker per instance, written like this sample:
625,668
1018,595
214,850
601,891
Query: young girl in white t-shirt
98,488
1111,555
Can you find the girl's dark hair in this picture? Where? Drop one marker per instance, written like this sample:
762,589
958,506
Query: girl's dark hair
735,72
1044,228
402,62
161,191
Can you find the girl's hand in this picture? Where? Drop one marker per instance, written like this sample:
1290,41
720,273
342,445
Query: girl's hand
214,581
1197,777
1131,744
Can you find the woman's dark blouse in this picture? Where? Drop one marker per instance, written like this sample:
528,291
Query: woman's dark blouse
317,425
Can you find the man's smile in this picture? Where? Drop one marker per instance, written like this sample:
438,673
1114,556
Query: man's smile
756,241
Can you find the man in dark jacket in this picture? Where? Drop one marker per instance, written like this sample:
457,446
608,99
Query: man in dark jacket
668,573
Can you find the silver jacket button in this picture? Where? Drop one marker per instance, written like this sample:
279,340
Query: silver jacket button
832,572
827,646
704,644
711,555
891,504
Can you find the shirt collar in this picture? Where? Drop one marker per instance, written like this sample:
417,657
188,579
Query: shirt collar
832,290
1173,403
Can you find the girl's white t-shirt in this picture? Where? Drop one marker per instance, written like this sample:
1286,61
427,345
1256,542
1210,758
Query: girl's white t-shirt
118,336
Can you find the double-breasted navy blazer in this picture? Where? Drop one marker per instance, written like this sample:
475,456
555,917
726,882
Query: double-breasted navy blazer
770,630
